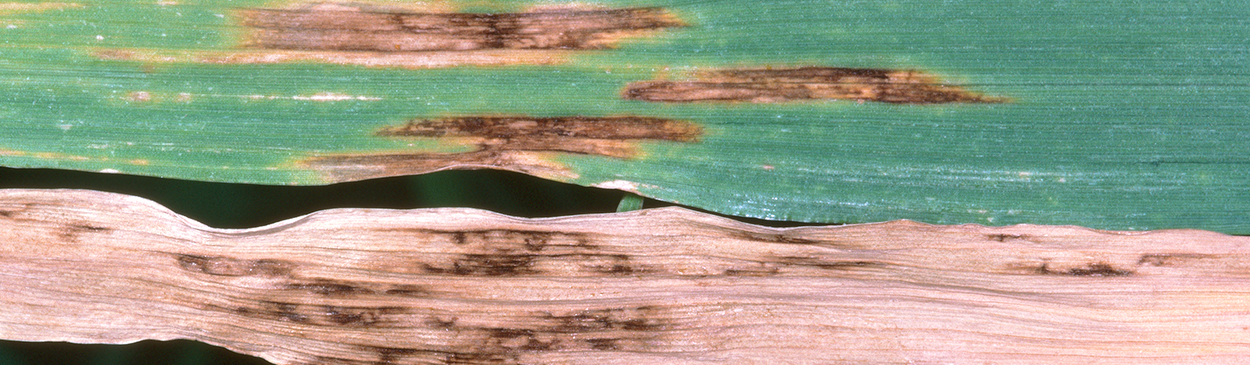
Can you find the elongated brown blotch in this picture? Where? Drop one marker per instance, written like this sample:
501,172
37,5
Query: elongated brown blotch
417,37
517,143
771,85
576,134
345,28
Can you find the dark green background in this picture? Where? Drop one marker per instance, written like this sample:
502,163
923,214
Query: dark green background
1125,114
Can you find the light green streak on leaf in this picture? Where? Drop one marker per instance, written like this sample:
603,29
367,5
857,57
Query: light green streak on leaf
630,202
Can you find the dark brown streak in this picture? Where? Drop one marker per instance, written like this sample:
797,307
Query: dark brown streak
323,315
508,240
1095,269
1000,237
72,231
330,288
602,320
767,270
398,31
415,291
89,228
610,329
500,252
497,265
773,238
820,263
805,83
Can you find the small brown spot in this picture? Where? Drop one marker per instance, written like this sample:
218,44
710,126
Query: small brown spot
772,85
378,30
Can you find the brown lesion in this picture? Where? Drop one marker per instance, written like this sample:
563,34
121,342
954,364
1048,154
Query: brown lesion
330,288
605,136
618,328
71,232
1172,259
343,28
323,315
773,85
417,37
1004,237
228,266
517,143
1095,269
514,253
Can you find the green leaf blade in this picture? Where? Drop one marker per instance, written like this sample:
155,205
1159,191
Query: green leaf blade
1122,115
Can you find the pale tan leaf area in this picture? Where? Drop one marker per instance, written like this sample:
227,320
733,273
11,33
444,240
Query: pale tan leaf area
663,286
